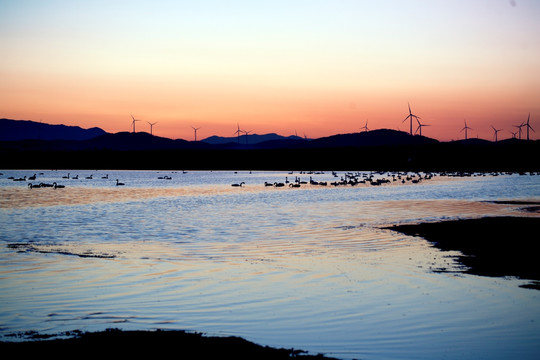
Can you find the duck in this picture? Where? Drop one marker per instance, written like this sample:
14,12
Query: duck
119,183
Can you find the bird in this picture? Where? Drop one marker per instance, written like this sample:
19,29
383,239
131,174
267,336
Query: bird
119,183
105,177
238,185
31,186
56,186
66,177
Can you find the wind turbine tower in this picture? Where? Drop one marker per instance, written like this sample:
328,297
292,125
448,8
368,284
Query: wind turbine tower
247,133
365,128
238,132
151,126
419,128
528,126
195,130
133,122
466,128
495,132
410,117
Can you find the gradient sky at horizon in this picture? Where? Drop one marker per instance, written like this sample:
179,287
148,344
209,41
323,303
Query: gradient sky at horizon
315,68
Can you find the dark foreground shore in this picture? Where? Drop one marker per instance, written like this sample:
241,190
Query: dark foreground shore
115,343
491,246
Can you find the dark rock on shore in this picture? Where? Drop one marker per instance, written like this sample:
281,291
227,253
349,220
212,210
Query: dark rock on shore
491,246
115,343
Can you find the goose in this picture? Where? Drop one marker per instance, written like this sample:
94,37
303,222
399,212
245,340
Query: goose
30,186
20,179
294,185
66,177
276,184
242,183
268,184
33,177
105,177
90,177
56,186
76,177
119,183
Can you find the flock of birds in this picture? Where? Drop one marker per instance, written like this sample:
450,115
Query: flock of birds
348,179
55,185
351,179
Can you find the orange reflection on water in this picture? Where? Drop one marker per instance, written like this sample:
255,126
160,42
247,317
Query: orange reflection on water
17,197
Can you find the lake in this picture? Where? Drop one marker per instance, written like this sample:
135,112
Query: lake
307,267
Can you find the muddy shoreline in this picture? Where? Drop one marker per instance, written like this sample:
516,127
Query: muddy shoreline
159,343
499,246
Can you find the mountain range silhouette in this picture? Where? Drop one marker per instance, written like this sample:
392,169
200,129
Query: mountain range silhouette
28,144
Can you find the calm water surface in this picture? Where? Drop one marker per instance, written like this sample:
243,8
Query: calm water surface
309,268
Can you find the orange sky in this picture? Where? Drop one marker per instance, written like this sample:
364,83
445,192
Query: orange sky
315,68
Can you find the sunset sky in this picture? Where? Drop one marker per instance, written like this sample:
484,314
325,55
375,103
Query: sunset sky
311,67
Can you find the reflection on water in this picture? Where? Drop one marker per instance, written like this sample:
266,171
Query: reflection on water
308,268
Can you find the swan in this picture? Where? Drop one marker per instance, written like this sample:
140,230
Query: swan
56,186
242,183
119,183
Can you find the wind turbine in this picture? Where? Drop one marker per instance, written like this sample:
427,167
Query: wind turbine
195,130
513,134
246,133
238,132
151,125
410,117
365,128
519,129
133,122
465,128
528,126
495,131
419,128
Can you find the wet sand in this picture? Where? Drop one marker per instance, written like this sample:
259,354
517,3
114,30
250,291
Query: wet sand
174,344
491,246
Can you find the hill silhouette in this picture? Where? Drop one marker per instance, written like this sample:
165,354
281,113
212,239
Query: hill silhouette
13,130
382,149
